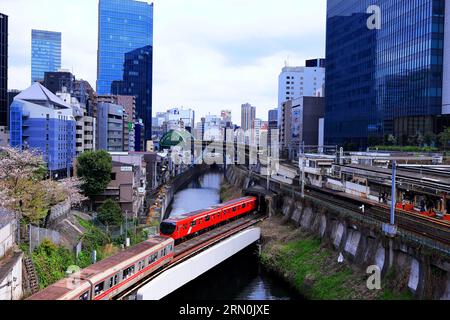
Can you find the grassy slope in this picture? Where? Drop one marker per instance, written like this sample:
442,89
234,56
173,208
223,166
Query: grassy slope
314,270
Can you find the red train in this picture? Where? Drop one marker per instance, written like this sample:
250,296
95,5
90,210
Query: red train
190,224
114,275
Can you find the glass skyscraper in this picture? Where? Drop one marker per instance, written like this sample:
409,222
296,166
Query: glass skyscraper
386,80
137,81
45,53
3,70
124,26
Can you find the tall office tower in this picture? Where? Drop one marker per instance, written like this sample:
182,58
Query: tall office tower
248,116
55,81
298,82
137,82
40,120
446,81
3,70
273,119
45,53
273,125
384,70
126,26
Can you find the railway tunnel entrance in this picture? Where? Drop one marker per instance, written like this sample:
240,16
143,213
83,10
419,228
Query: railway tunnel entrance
267,200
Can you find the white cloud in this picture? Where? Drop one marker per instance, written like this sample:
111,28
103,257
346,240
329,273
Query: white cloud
196,45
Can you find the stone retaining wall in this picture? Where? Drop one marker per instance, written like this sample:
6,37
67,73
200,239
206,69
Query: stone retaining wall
427,274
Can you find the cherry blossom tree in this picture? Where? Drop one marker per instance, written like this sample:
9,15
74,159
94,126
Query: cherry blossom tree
24,189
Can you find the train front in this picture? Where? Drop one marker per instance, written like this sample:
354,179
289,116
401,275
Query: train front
167,228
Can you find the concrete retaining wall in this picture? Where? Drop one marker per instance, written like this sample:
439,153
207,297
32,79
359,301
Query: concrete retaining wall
363,245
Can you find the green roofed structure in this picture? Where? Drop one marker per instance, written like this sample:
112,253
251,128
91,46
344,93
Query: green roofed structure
175,138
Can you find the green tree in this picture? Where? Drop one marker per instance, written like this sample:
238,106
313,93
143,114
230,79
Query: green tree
94,168
444,138
110,213
392,140
430,139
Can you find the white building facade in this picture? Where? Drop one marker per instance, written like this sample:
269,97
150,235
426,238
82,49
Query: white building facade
297,82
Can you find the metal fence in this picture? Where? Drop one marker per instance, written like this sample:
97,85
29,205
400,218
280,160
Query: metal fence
38,235
117,231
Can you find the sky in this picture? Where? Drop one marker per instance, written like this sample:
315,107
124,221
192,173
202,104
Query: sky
209,55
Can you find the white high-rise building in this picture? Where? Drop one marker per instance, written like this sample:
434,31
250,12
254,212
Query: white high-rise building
212,128
180,119
298,82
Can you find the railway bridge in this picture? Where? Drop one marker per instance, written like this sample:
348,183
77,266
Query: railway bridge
197,256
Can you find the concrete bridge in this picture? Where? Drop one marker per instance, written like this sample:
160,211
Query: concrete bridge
184,272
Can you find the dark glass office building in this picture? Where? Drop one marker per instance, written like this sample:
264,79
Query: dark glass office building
137,81
386,80
55,81
45,53
124,26
3,70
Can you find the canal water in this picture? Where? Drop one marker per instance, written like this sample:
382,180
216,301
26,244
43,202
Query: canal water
239,278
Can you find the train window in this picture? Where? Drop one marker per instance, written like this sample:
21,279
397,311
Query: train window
128,272
84,296
140,265
113,281
243,206
234,209
207,218
99,288
193,223
153,258
143,264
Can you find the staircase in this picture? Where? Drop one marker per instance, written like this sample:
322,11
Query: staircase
31,275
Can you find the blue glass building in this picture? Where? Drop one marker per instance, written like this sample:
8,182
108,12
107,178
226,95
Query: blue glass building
137,81
45,53
383,81
124,26
40,120
3,69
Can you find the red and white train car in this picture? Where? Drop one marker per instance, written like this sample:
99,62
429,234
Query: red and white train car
113,275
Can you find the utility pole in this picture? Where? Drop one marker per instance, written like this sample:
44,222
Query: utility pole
269,172
302,168
390,229
394,191
126,228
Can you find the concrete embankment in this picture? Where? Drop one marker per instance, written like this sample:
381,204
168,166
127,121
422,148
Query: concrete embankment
325,252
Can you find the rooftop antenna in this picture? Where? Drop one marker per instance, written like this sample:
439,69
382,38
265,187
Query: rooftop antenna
286,62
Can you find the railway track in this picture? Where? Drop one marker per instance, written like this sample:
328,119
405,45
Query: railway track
405,220
196,245
432,228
